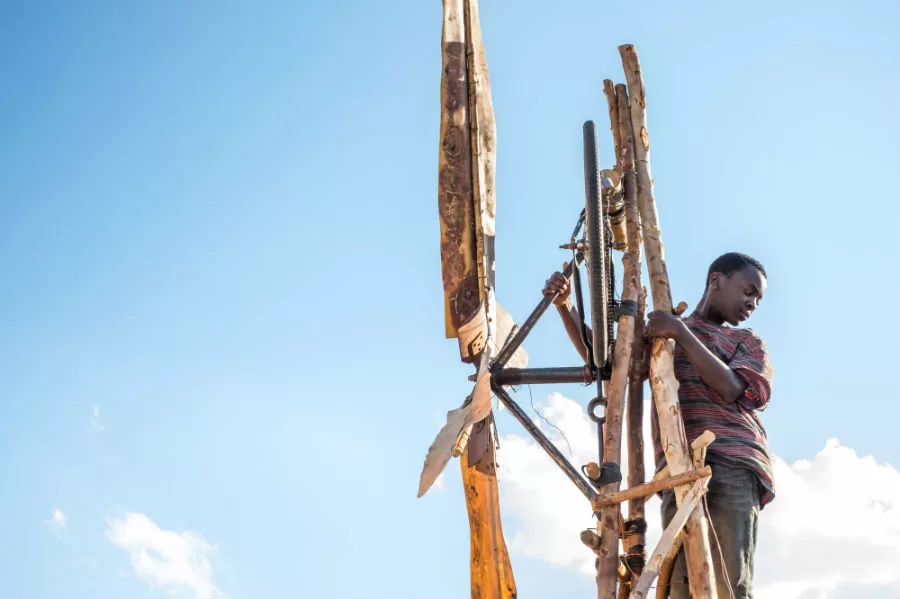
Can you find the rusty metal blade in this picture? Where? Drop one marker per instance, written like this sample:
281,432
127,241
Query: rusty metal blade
456,210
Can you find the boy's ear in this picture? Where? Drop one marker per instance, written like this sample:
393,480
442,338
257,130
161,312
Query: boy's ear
714,280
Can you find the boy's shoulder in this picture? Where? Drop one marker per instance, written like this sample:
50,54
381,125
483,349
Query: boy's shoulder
740,334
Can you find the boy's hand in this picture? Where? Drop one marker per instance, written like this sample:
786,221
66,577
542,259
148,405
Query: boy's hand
662,324
557,283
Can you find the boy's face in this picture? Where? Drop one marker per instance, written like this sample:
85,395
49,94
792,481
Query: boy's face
735,297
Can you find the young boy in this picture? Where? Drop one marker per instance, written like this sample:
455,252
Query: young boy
724,379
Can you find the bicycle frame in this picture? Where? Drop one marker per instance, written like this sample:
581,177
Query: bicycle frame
585,374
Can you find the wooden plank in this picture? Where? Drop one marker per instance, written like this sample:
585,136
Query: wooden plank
647,489
662,367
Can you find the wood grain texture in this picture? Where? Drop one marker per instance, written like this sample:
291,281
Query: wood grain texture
490,570
608,555
689,504
662,369
647,489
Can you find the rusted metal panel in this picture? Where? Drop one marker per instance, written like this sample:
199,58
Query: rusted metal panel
462,297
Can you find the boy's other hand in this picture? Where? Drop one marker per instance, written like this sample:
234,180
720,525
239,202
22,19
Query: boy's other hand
557,283
665,325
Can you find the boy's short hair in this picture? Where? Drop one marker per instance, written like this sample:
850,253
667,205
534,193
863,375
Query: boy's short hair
730,263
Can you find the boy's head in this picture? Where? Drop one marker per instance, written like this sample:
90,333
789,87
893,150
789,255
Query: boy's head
735,285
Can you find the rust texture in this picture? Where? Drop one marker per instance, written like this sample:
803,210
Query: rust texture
455,199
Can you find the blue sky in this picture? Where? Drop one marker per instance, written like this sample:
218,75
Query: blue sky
218,225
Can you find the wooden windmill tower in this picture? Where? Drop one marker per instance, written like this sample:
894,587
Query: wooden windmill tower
625,208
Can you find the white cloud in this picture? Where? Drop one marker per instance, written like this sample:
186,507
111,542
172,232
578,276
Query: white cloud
550,510
833,531
174,560
95,418
57,522
439,482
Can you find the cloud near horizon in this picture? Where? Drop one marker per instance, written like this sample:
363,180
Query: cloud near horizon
833,531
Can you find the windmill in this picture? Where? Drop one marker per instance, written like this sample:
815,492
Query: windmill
619,214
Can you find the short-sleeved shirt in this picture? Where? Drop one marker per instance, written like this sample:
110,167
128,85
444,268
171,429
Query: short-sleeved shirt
740,436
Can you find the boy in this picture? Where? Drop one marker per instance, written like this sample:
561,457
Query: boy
724,379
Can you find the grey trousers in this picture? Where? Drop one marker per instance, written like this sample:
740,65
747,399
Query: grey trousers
733,502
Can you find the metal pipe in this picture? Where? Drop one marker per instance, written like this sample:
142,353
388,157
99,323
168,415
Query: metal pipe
516,340
586,489
538,376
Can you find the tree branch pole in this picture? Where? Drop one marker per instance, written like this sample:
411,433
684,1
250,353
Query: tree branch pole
607,563
662,367
634,533
613,104
634,540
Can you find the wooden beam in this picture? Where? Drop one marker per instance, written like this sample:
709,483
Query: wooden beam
609,91
647,489
634,541
616,222
690,503
637,369
490,570
608,556
662,367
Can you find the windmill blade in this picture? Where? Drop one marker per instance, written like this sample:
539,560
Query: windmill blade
440,451
505,327
466,203
456,210
475,409
467,214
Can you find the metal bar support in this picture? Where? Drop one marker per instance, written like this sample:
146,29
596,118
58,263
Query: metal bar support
586,489
538,376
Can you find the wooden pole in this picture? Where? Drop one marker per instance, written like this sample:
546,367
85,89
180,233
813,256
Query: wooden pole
613,104
608,557
634,538
634,415
634,532
490,570
662,367
689,504
646,489
615,209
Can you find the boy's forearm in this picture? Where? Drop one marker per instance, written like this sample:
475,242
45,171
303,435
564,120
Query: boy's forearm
571,323
712,370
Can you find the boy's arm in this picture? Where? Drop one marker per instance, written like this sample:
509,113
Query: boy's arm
572,324
558,285
714,372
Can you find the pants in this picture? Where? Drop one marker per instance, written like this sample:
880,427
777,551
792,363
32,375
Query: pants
733,502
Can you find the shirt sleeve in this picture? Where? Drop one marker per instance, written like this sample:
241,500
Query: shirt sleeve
751,363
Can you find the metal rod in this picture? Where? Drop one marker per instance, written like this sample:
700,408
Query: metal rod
586,489
516,340
538,376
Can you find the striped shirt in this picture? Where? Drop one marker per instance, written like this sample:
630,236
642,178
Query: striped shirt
740,436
